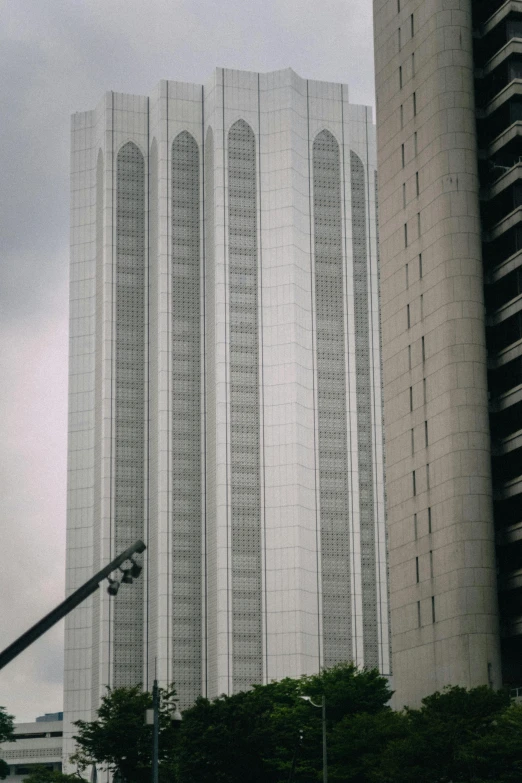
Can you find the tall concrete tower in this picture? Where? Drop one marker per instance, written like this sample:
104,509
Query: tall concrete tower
225,387
449,145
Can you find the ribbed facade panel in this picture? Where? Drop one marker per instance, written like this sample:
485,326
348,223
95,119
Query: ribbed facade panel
187,563
331,401
129,414
245,499
365,436
210,328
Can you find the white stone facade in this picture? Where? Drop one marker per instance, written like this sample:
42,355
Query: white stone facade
37,745
225,387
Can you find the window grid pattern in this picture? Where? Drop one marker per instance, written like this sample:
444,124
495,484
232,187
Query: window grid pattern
153,510
331,401
244,409
210,326
186,421
364,413
129,462
32,753
97,511
386,641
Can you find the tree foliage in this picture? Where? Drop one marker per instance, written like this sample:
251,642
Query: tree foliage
45,775
6,735
269,734
442,738
255,735
120,741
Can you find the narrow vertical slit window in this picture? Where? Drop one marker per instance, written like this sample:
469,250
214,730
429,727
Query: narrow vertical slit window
428,476
187,578
408,318
415,531
402,116
431,563
411,399
412,441
426,432
412,25
420,266
417,575
399,38
414,483
400,77
335,540
429,519
413,64
418,224
245,481
422,308
415,144
409,357
370,619
129,440
407,277
423,349
424,391
403,195
403,156
433,618
417,187
414,104
405,235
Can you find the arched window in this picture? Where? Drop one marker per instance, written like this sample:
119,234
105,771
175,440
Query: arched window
331,401
186,420
129,414
364,412
244,408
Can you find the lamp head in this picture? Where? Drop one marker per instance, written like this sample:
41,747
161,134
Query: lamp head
126,578
113,587
136,569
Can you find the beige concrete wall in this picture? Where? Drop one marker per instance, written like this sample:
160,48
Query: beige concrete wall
435,395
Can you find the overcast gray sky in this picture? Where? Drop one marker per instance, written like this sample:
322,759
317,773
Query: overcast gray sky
58,57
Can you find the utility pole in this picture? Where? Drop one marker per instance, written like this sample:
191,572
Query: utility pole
325,753
155,732
76,598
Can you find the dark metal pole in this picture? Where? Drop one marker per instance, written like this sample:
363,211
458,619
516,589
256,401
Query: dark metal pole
155,733
294,757
63,609
325,756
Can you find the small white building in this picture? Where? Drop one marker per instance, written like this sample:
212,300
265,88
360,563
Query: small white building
37,744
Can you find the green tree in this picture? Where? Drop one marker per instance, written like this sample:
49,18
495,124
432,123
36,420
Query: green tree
120,741
45,775
497,754
6,735
440,742
253,736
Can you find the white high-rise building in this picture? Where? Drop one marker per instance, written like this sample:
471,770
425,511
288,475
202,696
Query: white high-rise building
225,387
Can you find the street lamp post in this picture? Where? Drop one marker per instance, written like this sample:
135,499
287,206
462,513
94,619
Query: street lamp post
322,707
76,598
152,717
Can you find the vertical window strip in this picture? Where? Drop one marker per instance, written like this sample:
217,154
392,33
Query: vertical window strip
186,421
210,326
129,485
364,403
244,409
331,401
